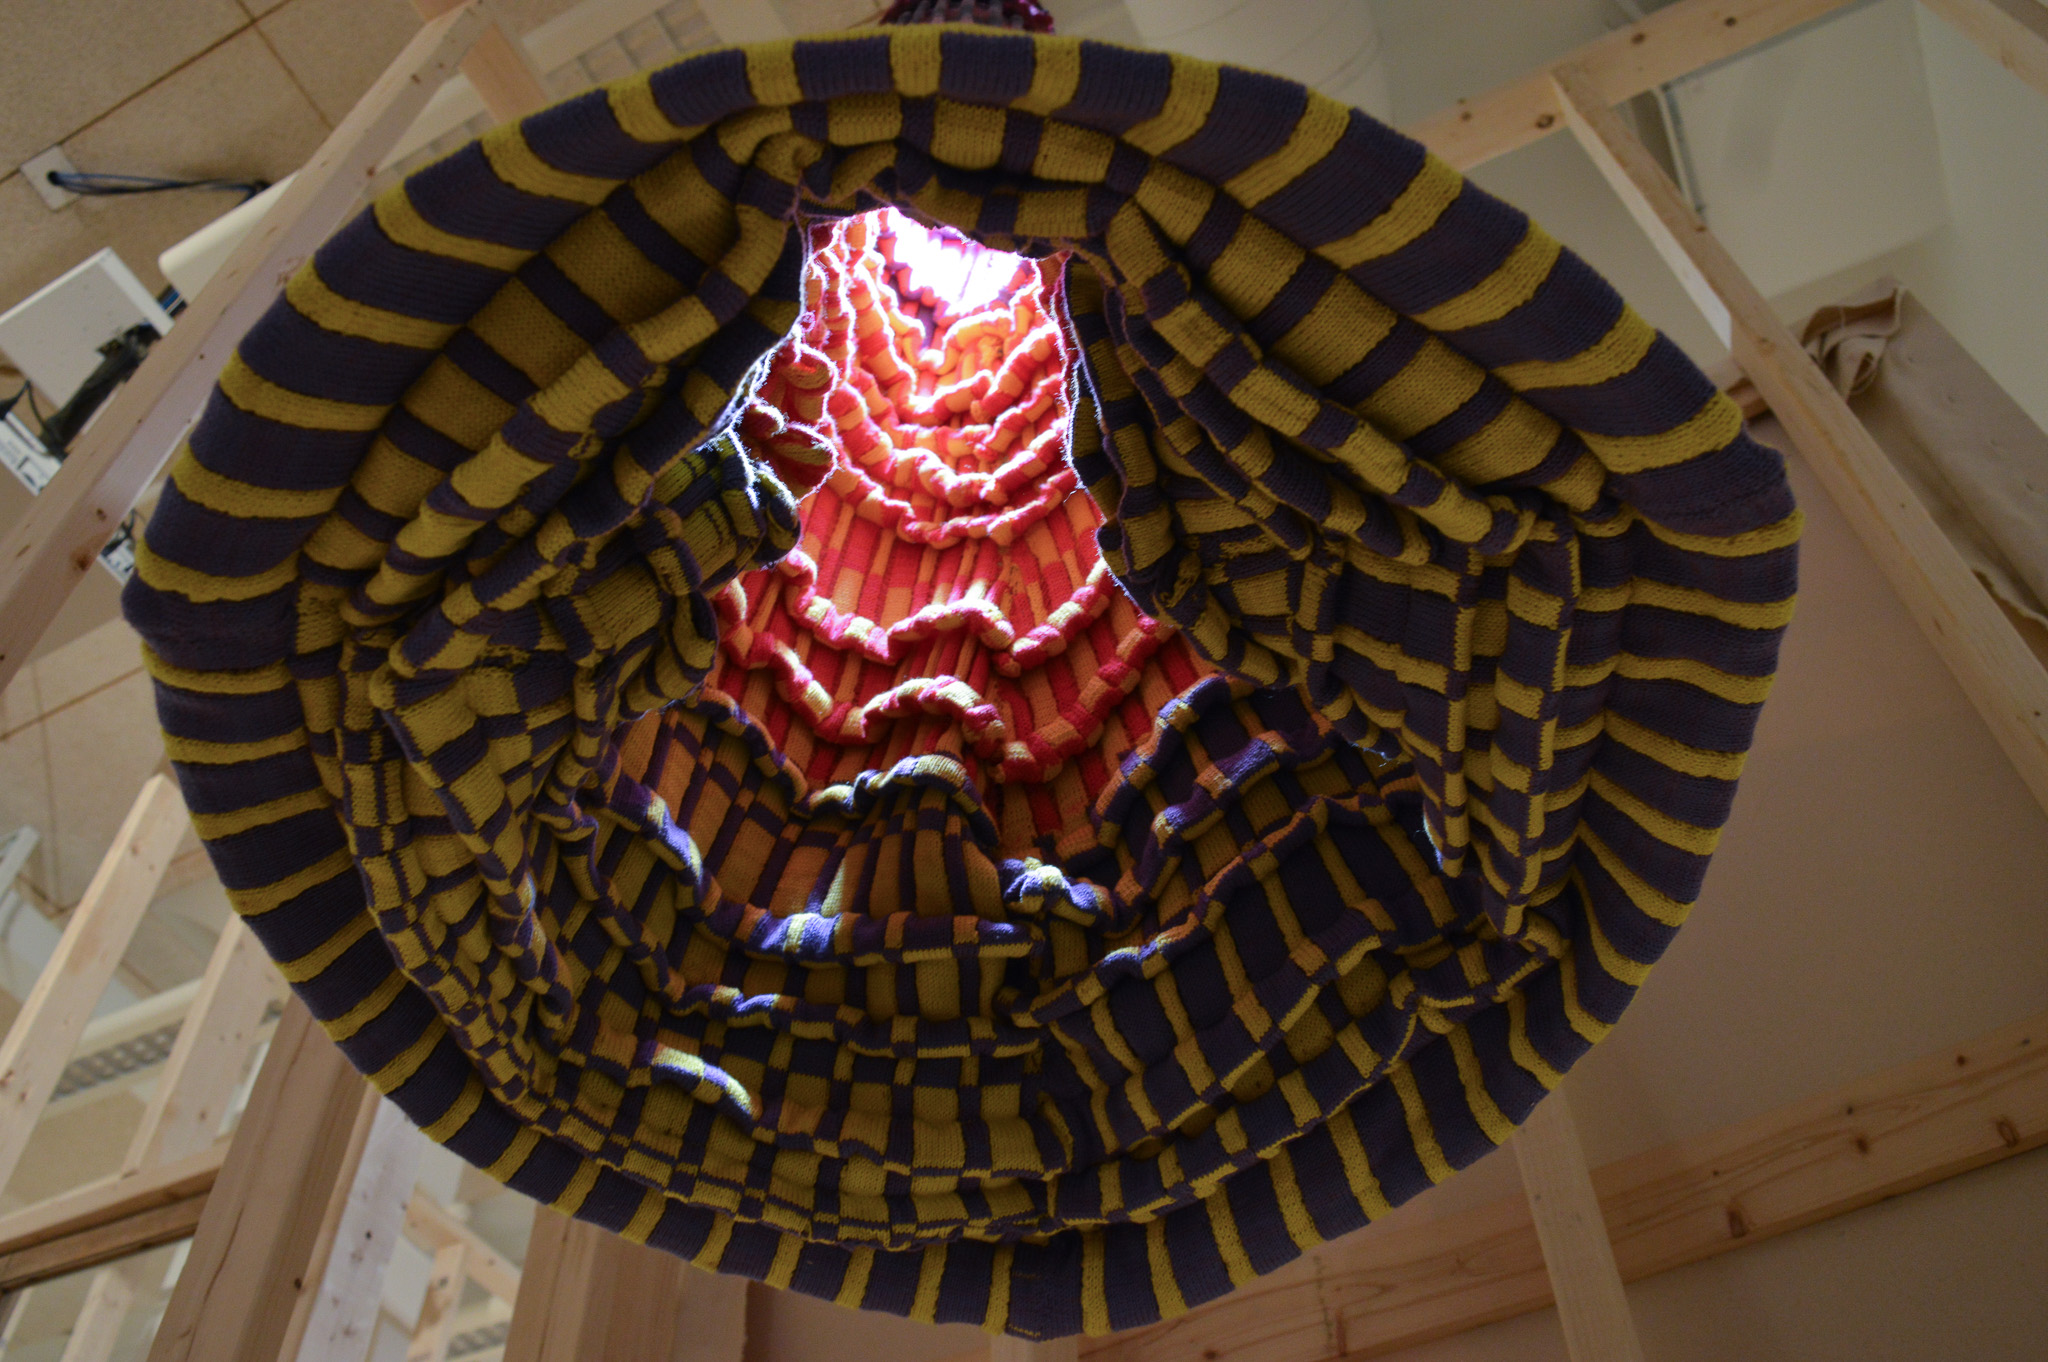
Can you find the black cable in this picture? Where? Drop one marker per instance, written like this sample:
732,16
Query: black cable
119,358
98,184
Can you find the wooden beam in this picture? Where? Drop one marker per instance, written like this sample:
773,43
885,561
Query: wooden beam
106,1201
1987,654
219,1019
107,1302
1592,1305
2013,33
1004,1348
365,1220
586,1295
102,1243
434,1230
555,1284
555,43
714,1317
1673,41
54,1015
437,1311
205,1064
258,1251
1381,1290
52,546
498,65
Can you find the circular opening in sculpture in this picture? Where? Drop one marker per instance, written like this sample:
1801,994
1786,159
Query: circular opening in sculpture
947,599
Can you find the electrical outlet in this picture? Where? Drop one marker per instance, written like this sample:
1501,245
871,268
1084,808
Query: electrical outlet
37,173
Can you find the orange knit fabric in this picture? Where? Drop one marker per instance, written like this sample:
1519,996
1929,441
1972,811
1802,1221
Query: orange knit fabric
947,595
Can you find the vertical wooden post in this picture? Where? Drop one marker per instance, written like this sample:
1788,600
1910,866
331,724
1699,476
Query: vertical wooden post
53,1017
586,1295
1004,1348
1591,1302
433,1228
437,1311
1996,668
364,1222
98,1329
258,1252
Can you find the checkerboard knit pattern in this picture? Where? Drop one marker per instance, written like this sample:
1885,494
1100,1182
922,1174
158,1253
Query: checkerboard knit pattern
1480,585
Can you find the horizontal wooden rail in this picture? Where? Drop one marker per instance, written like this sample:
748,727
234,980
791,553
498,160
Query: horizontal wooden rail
1382,1290
102,1244
104,1219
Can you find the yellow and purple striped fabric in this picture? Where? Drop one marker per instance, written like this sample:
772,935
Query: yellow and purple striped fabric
1490,579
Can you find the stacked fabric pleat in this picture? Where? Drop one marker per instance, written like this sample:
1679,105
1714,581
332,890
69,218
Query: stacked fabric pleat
637,659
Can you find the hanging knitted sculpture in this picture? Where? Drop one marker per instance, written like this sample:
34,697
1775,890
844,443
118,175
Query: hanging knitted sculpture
1027,801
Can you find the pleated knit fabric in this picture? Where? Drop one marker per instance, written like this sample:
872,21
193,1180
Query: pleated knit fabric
947,596
557,785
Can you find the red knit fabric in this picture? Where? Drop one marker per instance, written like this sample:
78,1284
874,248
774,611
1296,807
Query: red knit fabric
947,595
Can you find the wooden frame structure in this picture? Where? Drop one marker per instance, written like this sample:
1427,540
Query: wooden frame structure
268,1281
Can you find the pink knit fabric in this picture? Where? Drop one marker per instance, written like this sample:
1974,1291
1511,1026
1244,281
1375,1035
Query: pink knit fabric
947,595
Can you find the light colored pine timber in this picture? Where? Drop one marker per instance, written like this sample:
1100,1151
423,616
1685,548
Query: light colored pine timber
185,1110
55,1013
437,1311
108,1200
498,66
363,1226
434,1229
1004,1348
107,1302
714,1317
1592,1305
1991,661
205,1065
2013,33
1384,1289
1672,41
556,1284
746,21
51,548
586,1295
258,1253
145,1228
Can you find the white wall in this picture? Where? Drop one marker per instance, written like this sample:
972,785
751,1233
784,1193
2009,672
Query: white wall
1879,892
1440,51
1817,151
1985,274
1332,45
